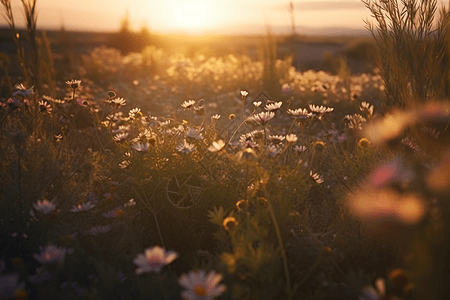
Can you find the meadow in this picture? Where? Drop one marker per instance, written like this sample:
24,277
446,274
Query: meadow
164,174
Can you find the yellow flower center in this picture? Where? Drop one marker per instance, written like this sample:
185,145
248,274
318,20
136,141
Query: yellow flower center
200,290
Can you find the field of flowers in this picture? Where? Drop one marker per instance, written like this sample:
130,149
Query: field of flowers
154,175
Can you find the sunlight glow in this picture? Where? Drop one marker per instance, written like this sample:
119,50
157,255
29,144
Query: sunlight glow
192,15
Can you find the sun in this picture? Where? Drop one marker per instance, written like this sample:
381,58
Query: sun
192,15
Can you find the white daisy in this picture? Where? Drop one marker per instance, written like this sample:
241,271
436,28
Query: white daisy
301,113
74,84
22,90
198,285
52,254
216,146
191,133
262,118
298,148
317,178
44,107
118,102
120,137
44,206
82,207
320,110
365,106
140,147
185,147
291,138
274,106
188,104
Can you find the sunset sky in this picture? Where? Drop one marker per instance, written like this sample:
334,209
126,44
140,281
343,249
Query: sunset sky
197,16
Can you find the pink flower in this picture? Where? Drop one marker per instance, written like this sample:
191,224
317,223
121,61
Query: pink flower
153,260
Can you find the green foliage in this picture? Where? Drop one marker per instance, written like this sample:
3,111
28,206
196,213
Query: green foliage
413,43
312,195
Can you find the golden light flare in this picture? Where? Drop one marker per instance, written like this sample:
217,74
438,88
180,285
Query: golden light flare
192,15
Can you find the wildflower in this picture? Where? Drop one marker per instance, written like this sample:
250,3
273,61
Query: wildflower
141,147
301,113
99,229
74,84
319,146
363,143
274,106
121,129
244,95
320,110
256,104
82,207
191,133
52,254
188,104
22,90
215,117
231,116
111,94
134,112
392,173
248,141
120,137
13,103
153,260
291,138
44,107
198,285
355,121
124,164
386,211
273,150
229,223
366,107
130,202
44,206
286,88
199,110
262,118
216,146
166,122
276,139
117,212
374,293
242,204
316,177
185,147
298,148
390,128
118,102
113,118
